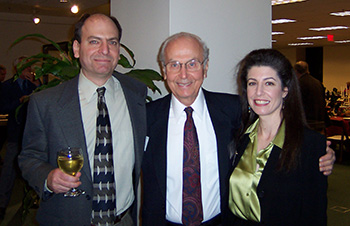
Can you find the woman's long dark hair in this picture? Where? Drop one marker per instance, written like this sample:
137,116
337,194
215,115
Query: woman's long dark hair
292,111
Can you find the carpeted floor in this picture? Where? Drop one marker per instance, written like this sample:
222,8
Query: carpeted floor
339,195
338,200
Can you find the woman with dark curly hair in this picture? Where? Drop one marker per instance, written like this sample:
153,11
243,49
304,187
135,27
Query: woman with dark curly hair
276,180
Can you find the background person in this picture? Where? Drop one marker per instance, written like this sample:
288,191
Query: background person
13,93
2,73
313,97
2,128
276,180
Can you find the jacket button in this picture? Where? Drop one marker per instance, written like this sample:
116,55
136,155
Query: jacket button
261,194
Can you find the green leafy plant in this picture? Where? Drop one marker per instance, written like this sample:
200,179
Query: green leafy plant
66,66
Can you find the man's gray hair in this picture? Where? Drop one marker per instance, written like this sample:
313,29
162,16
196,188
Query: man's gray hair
205,49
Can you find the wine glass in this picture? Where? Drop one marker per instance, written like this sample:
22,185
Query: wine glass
70,161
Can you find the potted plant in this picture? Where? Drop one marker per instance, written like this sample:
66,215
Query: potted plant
66,66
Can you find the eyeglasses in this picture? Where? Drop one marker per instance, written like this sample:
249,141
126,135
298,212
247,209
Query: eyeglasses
191,66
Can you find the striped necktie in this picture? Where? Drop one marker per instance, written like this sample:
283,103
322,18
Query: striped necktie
104,201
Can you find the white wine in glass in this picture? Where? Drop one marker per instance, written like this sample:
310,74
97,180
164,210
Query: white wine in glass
70,161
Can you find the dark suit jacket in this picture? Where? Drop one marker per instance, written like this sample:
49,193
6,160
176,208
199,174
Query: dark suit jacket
313,96
54,122
9,101
224,110
295,198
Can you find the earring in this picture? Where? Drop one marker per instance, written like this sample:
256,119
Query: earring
248,109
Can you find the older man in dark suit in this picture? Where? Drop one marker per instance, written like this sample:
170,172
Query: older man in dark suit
186,160
70,115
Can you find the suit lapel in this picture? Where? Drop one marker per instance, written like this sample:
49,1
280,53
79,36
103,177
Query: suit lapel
222,132
69,116
159,142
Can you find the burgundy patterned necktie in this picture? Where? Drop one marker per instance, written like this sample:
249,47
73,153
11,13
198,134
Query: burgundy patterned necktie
192,213
104,201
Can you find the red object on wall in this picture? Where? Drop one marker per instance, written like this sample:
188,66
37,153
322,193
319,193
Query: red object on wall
330,38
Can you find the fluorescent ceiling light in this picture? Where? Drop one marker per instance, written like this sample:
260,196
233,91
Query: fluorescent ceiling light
343,41
312,37
344,13
301,44
280,2
277,33
328,28
282,21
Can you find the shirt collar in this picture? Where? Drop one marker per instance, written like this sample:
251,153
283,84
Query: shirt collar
87,88
198,106
279,138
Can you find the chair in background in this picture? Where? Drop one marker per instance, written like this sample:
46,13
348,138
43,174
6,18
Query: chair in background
337,133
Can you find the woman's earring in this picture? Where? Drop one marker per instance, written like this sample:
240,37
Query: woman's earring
248,109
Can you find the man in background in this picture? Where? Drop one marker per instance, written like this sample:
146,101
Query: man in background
313,97
2,127
13,94
2,73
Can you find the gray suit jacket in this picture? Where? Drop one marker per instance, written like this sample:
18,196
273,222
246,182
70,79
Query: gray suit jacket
54,122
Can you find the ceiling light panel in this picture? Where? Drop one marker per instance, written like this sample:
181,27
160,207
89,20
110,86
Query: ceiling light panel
281,2
312,37
344,13
301,44
282,21
343,41
277,33
328,28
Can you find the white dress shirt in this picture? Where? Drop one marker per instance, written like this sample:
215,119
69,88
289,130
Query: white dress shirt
209,170
122,134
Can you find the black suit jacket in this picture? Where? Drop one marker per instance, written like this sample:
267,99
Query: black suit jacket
295,198
11,92
313,97
224,110
54,122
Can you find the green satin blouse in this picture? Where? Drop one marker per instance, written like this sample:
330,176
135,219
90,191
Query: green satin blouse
243,199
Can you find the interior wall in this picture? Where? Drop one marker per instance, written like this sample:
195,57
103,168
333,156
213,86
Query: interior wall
336,64
290,53
231,29
13,26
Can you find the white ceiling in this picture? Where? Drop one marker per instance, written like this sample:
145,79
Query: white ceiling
311,13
